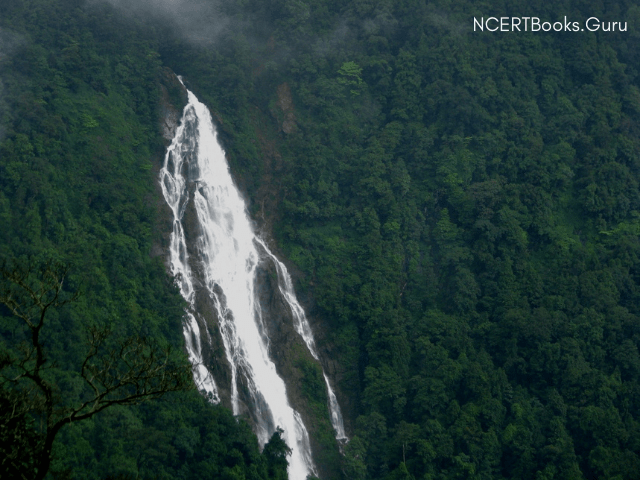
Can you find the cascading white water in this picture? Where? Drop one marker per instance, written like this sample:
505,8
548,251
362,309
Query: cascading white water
196,173
304,330
173,187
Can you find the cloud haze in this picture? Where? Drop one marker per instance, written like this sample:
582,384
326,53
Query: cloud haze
199,21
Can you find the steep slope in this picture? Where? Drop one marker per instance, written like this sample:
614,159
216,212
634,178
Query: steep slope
79,158
459,209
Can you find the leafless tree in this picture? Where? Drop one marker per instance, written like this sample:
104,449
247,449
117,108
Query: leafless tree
32,411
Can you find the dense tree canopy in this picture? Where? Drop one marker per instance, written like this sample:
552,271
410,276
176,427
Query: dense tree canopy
462,209
80,135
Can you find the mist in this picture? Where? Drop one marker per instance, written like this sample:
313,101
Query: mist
210,22
199,21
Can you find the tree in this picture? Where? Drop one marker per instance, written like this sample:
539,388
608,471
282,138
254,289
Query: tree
124,372
276,452
351,76
354,466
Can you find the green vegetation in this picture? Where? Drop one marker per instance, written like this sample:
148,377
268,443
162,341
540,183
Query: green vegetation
462,208
77,187
35,405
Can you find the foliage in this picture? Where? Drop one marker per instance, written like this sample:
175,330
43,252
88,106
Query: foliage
78,164
465,227
276,452
351,75
465,224
135,371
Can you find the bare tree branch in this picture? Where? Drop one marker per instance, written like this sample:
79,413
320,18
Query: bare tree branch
134,370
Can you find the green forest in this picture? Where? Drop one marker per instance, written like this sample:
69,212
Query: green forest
461,211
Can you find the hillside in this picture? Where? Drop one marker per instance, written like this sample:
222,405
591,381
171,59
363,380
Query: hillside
461,210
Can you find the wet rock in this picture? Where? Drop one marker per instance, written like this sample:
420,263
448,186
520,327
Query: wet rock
172,101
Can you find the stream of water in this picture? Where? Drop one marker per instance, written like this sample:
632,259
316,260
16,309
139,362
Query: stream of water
226,252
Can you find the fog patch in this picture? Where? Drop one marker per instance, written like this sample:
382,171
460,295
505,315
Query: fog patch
199,21
443,21
337,38
382,24
9,43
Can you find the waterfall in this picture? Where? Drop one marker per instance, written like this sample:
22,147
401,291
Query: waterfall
196,183
173,188
304,330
